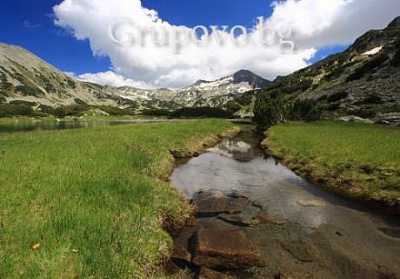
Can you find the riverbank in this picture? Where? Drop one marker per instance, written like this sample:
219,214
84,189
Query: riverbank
93,203
359,161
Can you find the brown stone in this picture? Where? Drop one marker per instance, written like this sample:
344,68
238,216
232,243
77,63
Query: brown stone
208,206
263,217
181,247
226,248
236,219
191,222
206,273
304,252
294,275
244,218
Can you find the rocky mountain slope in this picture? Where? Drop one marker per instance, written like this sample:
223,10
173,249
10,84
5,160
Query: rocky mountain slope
364,80
25,78
215,93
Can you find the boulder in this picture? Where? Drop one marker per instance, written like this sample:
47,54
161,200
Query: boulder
356,119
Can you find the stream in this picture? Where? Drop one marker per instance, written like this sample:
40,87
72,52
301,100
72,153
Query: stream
309,233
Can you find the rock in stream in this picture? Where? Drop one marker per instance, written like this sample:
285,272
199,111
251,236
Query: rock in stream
214,242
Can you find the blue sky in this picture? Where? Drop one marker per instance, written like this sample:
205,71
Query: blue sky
30,24
319,28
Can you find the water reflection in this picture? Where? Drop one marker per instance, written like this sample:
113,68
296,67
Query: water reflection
39,125
282,192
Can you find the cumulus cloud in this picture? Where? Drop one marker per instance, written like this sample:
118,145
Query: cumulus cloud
112,79
146,50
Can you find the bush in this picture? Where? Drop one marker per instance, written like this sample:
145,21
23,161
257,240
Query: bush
201,112
305,110
155,112
269,110
116,111
272,109
368,66
28,91
7,110
337,96
396,57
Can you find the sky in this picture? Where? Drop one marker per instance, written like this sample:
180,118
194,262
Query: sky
173,43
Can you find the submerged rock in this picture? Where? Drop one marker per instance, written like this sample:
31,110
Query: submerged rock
294,275
264,218
181,254
206,273
247,217
237,219
226,248
209,205
316,203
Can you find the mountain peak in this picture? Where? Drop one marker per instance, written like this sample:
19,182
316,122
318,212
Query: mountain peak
250,77
395,22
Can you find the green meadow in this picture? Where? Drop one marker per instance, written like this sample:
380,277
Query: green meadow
358,160
93,203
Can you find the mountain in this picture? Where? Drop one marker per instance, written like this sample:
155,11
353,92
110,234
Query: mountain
395,22
364,80
215,93
27,79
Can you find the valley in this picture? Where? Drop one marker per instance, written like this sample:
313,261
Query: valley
98,181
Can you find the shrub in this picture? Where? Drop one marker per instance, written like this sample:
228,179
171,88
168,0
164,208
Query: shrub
272,109
368,66
155,112
201,112
116,111
7,110
305,110
396,57
337,96
269,110
28,91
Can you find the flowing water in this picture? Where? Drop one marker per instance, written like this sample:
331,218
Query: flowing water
324,236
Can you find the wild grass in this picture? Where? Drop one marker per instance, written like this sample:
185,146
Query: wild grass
91,203
359,160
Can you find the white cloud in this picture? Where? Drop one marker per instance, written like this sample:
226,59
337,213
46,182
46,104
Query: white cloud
112,79
166,57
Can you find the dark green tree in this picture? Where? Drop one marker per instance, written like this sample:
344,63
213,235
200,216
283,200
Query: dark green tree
269,110
305,110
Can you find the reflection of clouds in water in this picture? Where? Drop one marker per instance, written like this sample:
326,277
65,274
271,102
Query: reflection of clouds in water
286,196
271,184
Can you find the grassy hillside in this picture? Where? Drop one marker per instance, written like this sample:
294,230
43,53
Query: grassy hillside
358,160
92,203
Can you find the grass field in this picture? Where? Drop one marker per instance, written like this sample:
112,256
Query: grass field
91,203
358,160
